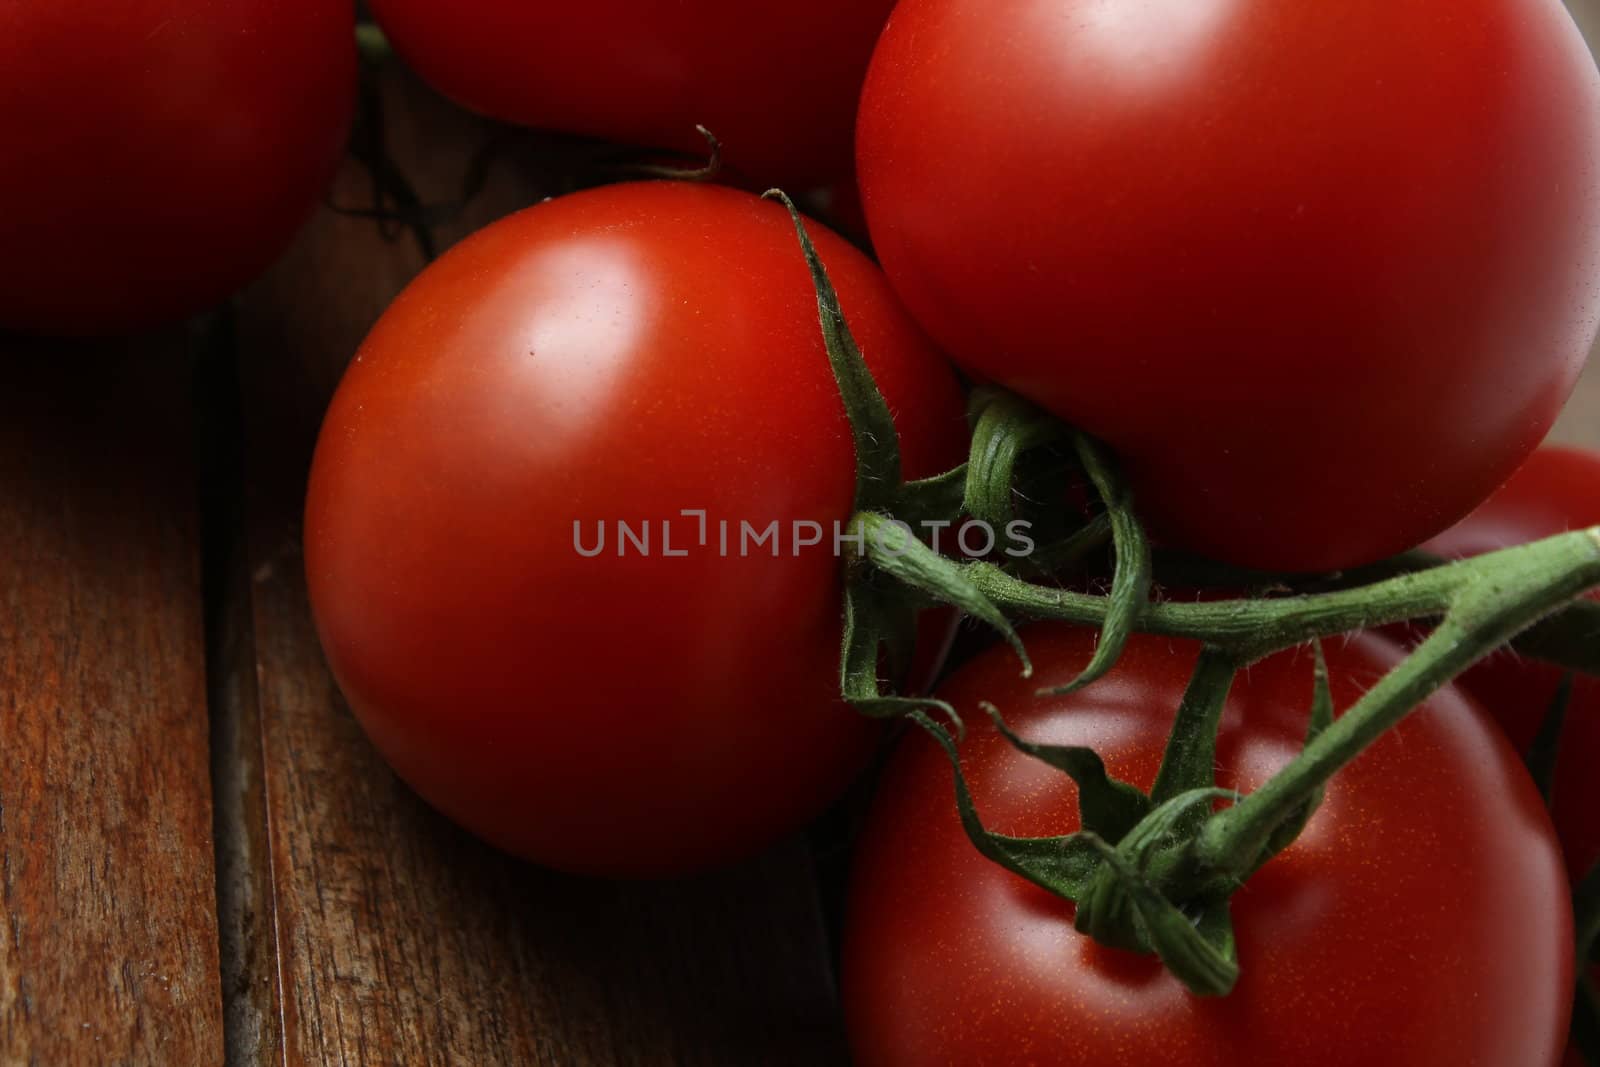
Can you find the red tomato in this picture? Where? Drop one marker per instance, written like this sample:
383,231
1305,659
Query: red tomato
1556,491
779,87
155,155
1277,254
1422,919
616,355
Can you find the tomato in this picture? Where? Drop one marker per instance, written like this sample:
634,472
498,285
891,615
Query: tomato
1276,254
155,155
1556,491
1421,920
778,86
619,355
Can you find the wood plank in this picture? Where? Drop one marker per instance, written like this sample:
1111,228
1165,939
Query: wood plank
108,953
400,939
251,1009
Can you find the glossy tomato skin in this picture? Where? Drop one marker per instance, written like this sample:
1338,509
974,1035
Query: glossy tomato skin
617,355
155,155
1557,490
1274,253
1422,920
778,86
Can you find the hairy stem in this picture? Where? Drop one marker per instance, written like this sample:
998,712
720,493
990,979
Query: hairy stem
1254,629
1489,601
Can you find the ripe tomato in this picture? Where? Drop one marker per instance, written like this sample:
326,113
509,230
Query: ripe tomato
779,87
1421,920
155,155
1274,253
1556,491
617,355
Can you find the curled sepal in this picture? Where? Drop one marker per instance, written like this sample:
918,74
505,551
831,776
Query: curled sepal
1191,758
871,424
1007,427
1106,913
1106,806
1200,950
867,622
1130,585
892,548
1059,865
1168,820
1547,746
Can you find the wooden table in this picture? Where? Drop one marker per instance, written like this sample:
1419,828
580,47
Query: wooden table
201,859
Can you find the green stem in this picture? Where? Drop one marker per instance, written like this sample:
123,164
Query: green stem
877,445
1254,629
1191,757
1566,639
1488,600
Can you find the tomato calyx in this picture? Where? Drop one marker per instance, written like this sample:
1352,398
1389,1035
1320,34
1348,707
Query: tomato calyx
1123,869
1164,884
1148,872
891,573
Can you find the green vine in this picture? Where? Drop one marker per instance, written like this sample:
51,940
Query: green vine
1155,872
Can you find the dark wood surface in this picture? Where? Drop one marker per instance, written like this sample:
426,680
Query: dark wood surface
109,950
398,939
203,860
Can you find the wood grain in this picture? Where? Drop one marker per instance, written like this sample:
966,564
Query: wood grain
399,939
109,949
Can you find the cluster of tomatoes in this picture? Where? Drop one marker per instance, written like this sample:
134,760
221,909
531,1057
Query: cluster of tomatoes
1322,275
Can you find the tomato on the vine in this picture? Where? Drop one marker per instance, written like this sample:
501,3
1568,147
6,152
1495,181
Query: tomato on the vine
622,355
778,85
1322,273
1422,919
1556,491
155,155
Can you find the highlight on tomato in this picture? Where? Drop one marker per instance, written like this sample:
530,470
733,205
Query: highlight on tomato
1422,917
777,85
156,155
535,526
1274,254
